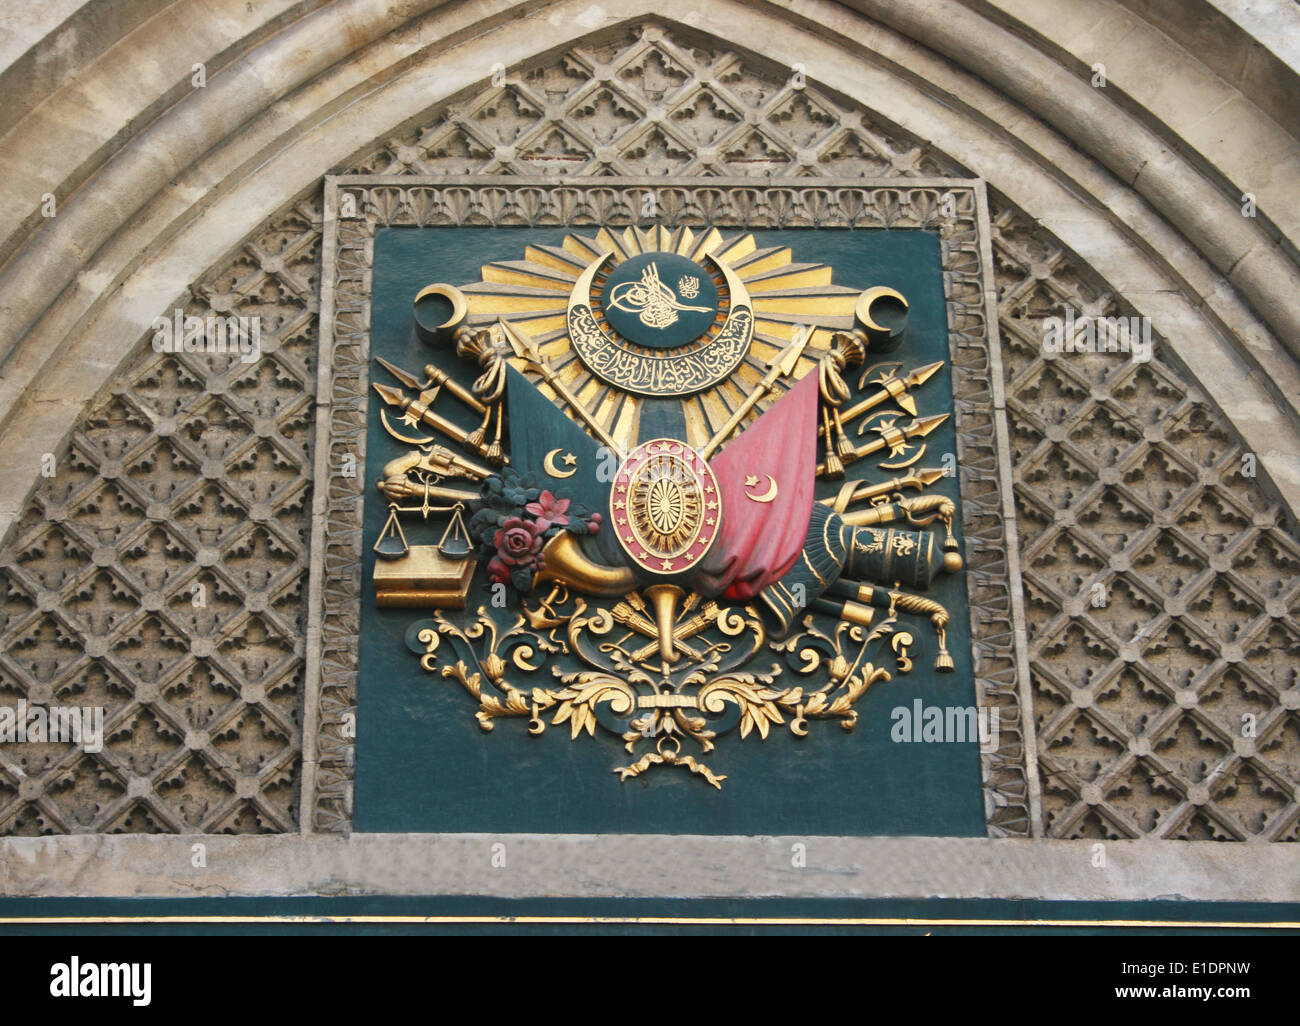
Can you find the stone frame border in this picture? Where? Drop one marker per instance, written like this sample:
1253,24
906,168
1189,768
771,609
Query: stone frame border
335,589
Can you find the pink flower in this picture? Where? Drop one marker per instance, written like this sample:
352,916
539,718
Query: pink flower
549,510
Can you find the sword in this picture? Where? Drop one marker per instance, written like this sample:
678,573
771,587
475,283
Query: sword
783,366
859,491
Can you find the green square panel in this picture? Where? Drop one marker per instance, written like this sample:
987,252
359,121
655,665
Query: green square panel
424,764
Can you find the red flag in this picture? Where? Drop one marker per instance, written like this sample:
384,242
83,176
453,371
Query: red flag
766,478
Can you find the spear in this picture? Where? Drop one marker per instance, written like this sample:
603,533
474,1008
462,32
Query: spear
525,349
435,380
894,437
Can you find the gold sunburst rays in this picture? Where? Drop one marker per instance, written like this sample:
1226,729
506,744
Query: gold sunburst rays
787,296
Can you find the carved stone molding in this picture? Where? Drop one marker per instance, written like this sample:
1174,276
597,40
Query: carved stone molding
1160,580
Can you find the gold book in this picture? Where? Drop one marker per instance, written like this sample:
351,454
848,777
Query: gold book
423,578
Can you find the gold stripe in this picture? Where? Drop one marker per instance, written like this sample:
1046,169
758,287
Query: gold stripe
706,244
806,277
545,324
502,274
785,595
824,305
622,247
697,421
826,540
629,417
736,249
495,303
548,258
808,563
1159,924
779,257
579,248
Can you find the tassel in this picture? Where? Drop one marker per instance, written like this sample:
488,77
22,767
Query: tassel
495,455
832,467
477,436
943,661
843,447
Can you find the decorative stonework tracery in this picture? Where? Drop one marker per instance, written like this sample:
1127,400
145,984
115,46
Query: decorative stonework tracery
1160,583
160,574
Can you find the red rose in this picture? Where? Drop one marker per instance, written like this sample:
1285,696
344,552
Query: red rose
518,542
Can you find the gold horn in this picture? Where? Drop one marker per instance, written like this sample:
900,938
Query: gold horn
566,564
664,597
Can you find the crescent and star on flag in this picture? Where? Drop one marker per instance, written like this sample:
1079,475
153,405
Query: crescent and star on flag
653,412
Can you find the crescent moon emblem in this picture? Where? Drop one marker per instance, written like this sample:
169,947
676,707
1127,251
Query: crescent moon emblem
863,308
553,470
768,495
459,310
906,463
452,295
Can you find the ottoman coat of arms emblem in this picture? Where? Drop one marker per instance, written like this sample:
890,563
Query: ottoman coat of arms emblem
638,536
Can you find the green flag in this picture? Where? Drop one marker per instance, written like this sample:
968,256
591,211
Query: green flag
561,457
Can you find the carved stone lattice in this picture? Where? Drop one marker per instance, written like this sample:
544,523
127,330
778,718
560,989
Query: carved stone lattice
1160,585
160,573
650,103
193,470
